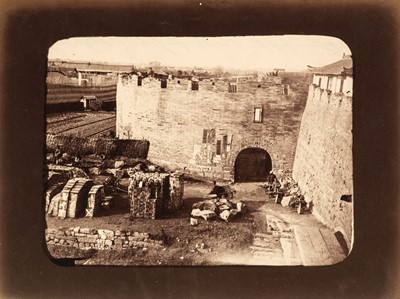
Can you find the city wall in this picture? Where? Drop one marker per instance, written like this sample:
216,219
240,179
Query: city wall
202,131
323,165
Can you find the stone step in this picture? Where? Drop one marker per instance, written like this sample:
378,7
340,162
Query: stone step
317,248
291,252
334,248
264,249
263,235
261,243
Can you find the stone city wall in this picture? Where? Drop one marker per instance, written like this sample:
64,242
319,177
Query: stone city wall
204,130
323,165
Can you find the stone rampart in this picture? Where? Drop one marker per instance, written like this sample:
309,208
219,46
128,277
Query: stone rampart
323,165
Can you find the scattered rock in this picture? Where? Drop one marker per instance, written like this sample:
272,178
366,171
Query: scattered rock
194,221
119,164
200,245
224,215
94,170
209,205
208,215
198,205
196,213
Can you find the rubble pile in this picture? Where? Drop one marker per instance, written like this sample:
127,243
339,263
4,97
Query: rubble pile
152,193
214,207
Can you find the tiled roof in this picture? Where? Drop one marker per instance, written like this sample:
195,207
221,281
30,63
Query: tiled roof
336,68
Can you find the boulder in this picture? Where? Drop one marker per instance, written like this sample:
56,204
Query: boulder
224,215
209,205
241,208
207,214
223,207
194,221
196,213
226,202
119,164
198,205
227,215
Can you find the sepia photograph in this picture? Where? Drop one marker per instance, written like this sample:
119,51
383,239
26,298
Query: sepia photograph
199,151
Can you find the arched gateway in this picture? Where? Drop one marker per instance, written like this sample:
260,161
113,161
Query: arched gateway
252,165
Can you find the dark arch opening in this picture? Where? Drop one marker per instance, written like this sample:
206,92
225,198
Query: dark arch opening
252,165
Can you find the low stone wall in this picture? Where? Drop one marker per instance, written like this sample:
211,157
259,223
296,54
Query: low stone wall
87,146
101,239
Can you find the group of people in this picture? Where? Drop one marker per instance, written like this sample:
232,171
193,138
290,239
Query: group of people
273,183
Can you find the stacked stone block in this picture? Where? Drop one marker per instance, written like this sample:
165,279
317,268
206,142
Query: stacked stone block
78,198
54,205
176,189
152,193
101,239
71,201
51,192
65,197
95,197
148,193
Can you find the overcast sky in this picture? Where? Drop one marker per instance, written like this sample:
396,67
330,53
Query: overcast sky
292,52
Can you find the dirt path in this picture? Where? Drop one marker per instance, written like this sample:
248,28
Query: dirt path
266,248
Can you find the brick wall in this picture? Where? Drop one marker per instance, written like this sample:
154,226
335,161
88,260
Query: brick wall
323,163
109,147
101,239
173,119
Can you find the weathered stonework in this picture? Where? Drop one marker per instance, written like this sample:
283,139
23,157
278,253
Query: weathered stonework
203,131
100,239
323,165
151,194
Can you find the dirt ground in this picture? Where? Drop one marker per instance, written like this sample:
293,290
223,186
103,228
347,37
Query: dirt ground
214,242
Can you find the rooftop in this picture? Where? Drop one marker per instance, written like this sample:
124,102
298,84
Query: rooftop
345,65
